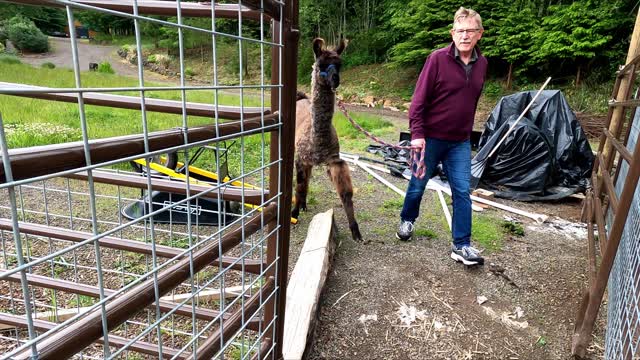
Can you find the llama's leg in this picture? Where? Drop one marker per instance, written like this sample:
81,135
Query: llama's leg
341,178
303,174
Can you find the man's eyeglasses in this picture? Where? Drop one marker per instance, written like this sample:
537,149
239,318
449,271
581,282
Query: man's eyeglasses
468,31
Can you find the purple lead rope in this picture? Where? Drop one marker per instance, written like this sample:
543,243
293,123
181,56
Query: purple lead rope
416,163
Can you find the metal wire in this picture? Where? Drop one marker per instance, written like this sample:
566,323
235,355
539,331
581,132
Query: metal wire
623,318
95,209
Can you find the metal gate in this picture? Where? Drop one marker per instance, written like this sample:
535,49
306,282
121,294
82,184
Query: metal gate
80,276
612,212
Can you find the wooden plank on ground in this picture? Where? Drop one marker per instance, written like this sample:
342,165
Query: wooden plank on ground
306,284
229,292
60,315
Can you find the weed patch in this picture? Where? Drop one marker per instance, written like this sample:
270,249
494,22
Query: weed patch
430,234
487,233
393,204
513,228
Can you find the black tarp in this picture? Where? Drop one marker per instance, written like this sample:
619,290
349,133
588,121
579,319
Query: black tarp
546,157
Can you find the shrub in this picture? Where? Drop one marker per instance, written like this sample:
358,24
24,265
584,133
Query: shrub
105,67
1,47
164,60
24,34
9,59
48,65
189,71
152,58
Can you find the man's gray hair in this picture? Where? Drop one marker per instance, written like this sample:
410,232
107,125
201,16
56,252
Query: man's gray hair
464,13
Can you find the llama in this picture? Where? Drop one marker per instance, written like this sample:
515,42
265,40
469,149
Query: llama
316,138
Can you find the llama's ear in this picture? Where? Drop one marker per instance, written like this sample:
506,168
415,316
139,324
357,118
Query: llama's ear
318,44
342,46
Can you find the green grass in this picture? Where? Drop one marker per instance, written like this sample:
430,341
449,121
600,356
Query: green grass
9,59
487,233
421,232
32,122
393,204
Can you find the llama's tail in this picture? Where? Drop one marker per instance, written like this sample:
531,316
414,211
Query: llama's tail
300,95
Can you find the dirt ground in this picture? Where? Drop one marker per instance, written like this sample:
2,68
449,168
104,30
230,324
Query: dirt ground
530,315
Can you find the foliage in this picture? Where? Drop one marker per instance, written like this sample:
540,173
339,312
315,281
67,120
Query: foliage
48,65
559,38
45,18
24,34
9,59
105,67
513,228
105,23
578,32
1,47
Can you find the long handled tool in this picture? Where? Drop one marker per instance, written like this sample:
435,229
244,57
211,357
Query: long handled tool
478,165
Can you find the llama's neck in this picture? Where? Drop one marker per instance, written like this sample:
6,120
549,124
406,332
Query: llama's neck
323,101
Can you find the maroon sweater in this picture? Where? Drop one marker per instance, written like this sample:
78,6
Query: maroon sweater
444,102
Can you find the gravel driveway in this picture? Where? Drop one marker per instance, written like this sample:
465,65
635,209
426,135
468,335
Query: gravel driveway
61,56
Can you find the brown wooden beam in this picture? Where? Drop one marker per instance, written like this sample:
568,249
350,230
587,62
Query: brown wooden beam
75,337
283,145
166,8
48,159
251,196
134,103
602,234
624,152
250,265
628,67
271,8
114,340
609,187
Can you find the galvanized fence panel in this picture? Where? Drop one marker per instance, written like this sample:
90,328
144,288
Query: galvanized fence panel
99,261
623,313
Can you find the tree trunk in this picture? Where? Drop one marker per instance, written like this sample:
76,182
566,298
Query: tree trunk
578,76
509,76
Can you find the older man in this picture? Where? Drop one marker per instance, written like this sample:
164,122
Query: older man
441,119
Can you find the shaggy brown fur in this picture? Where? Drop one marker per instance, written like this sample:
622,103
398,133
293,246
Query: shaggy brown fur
316,138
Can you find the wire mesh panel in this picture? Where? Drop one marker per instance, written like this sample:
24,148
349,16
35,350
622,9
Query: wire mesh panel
623,318
159,232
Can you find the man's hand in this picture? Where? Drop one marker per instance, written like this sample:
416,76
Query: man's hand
417,144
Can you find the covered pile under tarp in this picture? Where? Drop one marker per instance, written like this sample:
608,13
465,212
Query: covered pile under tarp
546,157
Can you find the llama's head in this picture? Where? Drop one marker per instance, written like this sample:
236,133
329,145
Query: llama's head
326,69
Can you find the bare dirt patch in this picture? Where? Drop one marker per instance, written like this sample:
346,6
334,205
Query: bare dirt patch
61,56
530,317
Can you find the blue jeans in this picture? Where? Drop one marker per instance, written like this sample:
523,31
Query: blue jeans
456,160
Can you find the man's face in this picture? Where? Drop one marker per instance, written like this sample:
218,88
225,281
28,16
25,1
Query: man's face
466,34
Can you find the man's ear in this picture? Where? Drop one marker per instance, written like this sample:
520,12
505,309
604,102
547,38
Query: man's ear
342,46
318,44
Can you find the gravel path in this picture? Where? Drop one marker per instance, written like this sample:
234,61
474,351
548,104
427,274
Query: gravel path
61,56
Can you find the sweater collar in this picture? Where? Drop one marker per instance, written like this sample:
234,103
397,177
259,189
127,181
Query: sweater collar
452,51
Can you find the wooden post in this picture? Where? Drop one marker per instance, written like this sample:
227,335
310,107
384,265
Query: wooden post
281,173
617,118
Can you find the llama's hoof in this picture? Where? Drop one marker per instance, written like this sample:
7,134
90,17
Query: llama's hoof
355,232
295,213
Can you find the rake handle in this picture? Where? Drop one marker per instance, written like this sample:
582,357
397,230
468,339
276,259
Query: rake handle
495,148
